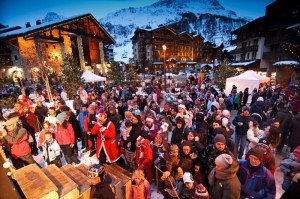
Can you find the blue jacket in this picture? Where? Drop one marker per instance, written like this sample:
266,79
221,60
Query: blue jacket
261,185
81,117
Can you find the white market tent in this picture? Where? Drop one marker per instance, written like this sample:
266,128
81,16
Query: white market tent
91,77
248,79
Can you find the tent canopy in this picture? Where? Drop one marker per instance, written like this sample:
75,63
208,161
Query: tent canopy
91,77
248,79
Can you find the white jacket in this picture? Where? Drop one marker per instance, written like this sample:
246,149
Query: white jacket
51,150
252,136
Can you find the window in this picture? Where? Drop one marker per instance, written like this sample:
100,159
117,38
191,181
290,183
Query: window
255,42
54,46
16,57
253,55
248,55
47,46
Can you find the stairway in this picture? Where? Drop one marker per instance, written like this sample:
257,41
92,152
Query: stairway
67,182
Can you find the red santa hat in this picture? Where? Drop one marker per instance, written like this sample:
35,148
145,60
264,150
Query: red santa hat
102,116
149,119
181,106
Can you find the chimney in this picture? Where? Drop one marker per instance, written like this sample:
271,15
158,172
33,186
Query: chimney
38,22
27,25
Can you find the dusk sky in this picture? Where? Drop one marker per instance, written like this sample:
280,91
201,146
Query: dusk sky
18,12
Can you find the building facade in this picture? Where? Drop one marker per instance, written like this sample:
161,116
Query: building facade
183,50
45,45
262,44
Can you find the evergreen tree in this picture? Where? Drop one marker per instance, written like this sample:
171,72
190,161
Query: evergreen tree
131,76
71,75
223,72
115,73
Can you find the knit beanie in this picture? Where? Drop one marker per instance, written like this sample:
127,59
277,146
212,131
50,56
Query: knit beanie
297,151
201,192
60,118
220,138
257,153
223,161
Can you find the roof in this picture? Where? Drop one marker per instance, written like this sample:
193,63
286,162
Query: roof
243,63
297,25
285,63
52,25
258,21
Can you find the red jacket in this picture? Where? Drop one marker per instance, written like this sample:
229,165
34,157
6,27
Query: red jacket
64,136
106,139
18,139
144,155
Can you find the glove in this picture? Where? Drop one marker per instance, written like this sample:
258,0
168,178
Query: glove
180,172
165,175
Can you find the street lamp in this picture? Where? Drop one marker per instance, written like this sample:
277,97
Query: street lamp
165,77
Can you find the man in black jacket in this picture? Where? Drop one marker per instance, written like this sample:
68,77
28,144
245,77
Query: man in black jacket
241,123
285,119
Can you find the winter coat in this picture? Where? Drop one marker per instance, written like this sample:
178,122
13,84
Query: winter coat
252,136
294,137
210,154
106,140
287,166
87,124
42,136
142,191
129,143
103,189
77,103
295,104
41,112
241,130
224,184
144,155
18,139
285,120
63,135
259,185
177,135
150,133
81,118
51,150
187,193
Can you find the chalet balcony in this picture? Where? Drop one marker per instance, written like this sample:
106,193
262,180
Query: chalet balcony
246,49
241,39
275,56
281,39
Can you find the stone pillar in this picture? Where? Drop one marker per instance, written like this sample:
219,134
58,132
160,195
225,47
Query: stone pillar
80,51
102,61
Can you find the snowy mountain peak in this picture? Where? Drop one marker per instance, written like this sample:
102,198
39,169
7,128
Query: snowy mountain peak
52,16
206,17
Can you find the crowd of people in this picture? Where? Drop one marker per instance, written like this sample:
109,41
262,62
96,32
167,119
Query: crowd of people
197,143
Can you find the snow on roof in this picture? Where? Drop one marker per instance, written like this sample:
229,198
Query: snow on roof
294,26
290,62
158,62
242,63
43,25
191,62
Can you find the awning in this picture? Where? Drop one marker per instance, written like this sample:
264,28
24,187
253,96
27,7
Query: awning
286,63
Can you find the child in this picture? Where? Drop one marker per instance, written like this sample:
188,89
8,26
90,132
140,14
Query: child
46,125
125,129
189,187
198,175
290,166
139,187
51,150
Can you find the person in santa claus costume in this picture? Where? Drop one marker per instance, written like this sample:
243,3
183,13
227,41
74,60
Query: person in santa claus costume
144,156
107,145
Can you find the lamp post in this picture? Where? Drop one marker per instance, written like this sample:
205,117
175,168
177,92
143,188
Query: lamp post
165,76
